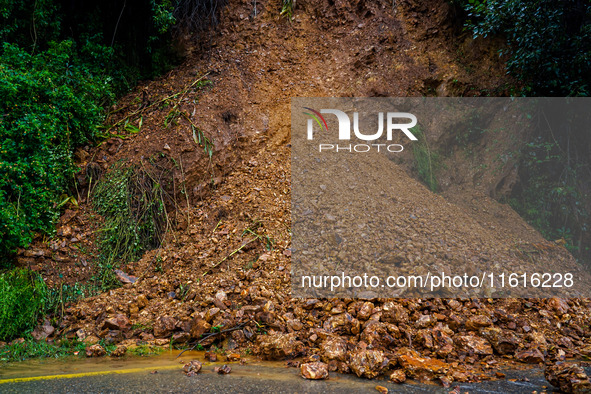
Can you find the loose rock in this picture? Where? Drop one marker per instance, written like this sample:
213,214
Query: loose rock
95,351
398,376
367,363
192,367
223,370
315,371
568,378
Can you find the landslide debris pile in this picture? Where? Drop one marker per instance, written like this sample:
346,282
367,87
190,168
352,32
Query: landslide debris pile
425,339
226,262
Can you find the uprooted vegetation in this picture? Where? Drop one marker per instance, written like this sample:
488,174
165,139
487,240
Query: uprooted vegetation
132,202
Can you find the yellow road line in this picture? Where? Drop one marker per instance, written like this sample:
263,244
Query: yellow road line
84,374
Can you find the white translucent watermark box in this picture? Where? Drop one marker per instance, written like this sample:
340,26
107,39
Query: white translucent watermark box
364,226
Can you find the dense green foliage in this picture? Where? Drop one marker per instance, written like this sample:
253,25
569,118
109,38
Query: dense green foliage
549,41
23,296
554,193
549,51
29,348
50,104
60,64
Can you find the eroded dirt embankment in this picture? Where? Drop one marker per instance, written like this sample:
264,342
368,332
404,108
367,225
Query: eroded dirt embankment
197,282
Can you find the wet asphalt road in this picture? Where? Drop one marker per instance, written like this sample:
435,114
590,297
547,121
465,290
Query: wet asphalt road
258,379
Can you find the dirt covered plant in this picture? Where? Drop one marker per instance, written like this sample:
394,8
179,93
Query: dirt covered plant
131,201
23,296
427,162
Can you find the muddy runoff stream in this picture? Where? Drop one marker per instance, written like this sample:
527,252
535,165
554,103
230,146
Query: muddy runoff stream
164,373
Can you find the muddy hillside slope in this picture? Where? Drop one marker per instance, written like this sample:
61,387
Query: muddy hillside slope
225,260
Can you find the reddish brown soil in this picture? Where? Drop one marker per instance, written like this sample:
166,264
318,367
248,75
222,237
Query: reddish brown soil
241,201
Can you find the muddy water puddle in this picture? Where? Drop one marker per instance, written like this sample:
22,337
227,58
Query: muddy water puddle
163,373
82,365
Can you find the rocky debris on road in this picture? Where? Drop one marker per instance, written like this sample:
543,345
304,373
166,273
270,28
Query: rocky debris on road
233,357
423,369
211,357
569,378
530,356
192,368
95,351
119,351
228,259
398,376
43,331
118,322
368,363
223,370
164,326
315,370
382,389
278,346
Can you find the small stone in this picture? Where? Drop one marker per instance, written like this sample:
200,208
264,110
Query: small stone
233,357
181,337
398,376
477,322
367,363
164,326
531,356
365,311
277,345
569,378
424,321
42,332
334,348
119,351
315,371
382,389
223,370
141,301
91,340
504,342
117,322
199,327
211,357
474,344
95,351
294,325
192,367
125,278
423,369
558,305
445,381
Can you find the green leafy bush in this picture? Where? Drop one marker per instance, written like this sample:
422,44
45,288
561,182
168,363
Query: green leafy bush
23,295
549,41
30,348
554,192
50,104
57,73
61,63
